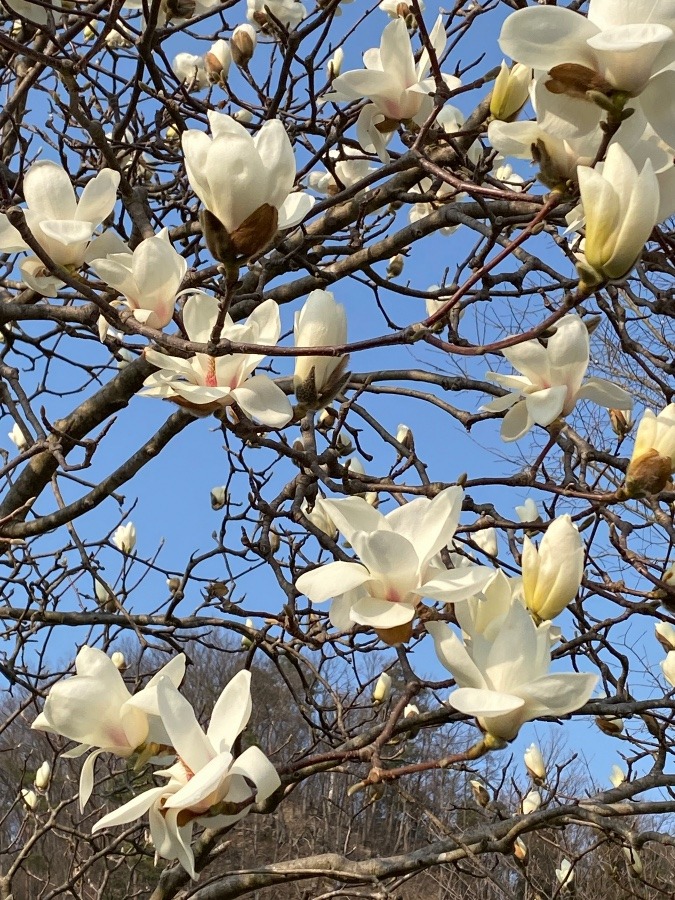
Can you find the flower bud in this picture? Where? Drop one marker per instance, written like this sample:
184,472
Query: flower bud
617,776
610,725
653,458
531,802
320,323
244,116
382,689
668,668
115,40
242,45
552,574
219,497
620,422
520,849
486,539
171,134
16,30
511,91
635,866
404,436
124,537
246,641
42,776
334,66
528,512
16,437
104,595
372,498
395,266
665,635
275,541
191,70
217,61
29,797
534,763
480,793
89,33
118,660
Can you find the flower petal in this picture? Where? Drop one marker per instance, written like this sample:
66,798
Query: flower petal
332,580
231,712
187,737
262,399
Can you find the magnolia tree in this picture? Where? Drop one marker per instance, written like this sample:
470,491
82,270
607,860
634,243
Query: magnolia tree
297,224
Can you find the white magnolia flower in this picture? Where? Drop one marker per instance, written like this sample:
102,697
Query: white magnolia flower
218,59
43,775
206,383
410,710
219,497
118,659
552,381
149,278
399,90
617,776
502,674
63,226
347,172
534,763
621,207
620,48
668,668
528,511
565,874
480,792
334,64
382,689
320,323
552,574
242,44
289,12
95,709
245,182
511,90
653,459
396,9
531,802
665,635
124,537
394,570
29,797
207,785
191,70
16,436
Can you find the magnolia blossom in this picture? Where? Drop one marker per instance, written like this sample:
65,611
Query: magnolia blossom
398,89
382,689
191,69
204,383
511,90
124,537
617,776
502,674
207,785
528,511
63,226
218,59
29,797
480,792
531,802
334,64
552,574
242,44
621,209
149,278
17,437
348,166
219,497
653,459
394,571
43,775
289,12
441,196
34,11
565,874
320,323
95,709
118,660
665,635
245,183
552,381
668,667
534,763
397,9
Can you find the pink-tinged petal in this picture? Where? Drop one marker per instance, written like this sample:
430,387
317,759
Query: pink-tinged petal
380,613
484,704
546,36
452,654
354,514
202,785
455,585
544,407
557,695
274,146
67,231
294,209
331,580
231,713
256,767
516,423
131,811
605,393
261,399
49,192
187,737
98,197
87,778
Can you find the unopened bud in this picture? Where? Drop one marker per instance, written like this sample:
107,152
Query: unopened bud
617,776
16,30
520,849
105,596
275,541
89,33
171,134
611,725
480,793
242,45
219,497
395,266
246,641
620,424
343,443
173,584
334,66
115,40
665,634
648,474
244,116
371,498
382,688
29,797
531,802
634,861
118,660
405,436
534,763
42,776
410,710
218,61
